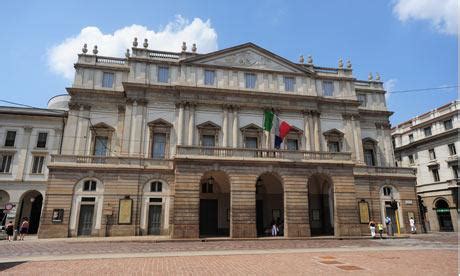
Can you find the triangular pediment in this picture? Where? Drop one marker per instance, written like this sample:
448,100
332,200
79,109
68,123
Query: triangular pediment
160,123
251,127
208,125
333,132
248,56
103,126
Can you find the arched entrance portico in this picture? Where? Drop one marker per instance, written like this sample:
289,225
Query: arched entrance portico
4,199
269,204
215,212
30,207
321,205
443,214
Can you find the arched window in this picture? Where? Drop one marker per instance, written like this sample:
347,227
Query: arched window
387,191
89,186
156,187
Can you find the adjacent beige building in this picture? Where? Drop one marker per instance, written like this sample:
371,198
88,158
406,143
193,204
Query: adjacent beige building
28,138
172,143
429,143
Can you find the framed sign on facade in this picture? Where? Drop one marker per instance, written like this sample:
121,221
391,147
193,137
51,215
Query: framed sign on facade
410,215
125,211
58,215
363,211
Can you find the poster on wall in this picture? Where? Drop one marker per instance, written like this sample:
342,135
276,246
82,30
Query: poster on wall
125,211
58,215
363,211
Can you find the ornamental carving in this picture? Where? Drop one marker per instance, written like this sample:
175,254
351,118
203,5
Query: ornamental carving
248,59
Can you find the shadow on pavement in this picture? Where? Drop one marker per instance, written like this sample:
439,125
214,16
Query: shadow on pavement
5,266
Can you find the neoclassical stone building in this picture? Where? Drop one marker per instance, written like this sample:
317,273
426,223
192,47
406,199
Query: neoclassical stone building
172,143
429,143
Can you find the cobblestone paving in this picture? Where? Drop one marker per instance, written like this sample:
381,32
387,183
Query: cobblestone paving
333,263
435,255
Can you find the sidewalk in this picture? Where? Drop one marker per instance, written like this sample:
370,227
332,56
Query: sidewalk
157,239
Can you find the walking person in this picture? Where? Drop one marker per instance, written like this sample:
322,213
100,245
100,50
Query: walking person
380,228
413,230
9,230
274,229
388,225
24,229
372,228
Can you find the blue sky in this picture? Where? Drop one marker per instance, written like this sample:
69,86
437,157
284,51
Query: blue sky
411,47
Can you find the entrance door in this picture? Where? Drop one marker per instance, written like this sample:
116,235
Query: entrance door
85,223
391,213
444,219
35,213
208,217
154,220
260,217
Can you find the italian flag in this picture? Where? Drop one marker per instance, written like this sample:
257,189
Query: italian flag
282,128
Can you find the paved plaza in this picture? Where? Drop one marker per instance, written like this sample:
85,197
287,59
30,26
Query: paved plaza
434,254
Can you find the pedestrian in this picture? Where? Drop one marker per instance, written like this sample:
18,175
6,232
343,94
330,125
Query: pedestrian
388,225
10,230
380,227
413,230
23,229
274,229
372,227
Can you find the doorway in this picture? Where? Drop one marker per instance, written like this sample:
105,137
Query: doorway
209,217
320,205
443,214
31,208
269,204
154,227
85,222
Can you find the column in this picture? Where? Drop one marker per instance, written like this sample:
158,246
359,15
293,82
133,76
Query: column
180,123
235,127
132,134
70,131
307,125
191,124
317,131
225,127
356,140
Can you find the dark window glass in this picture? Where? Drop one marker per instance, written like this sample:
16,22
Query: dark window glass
250,80
452,149
432,154
435,173
208,140
448,124
427,131
37,166
100,145
159,145
107,80
333,146
209,76
89,185
292,144
10,138
387,191
369,157
5,164
156,186
163,74
250,142
328,88
41,140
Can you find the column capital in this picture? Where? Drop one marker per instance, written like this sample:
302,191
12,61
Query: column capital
234,107
142,101
74,106
180,104
121,108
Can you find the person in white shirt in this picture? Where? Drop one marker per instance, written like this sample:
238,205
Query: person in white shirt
412,225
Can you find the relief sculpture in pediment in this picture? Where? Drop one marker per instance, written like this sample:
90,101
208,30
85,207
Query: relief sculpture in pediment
249,59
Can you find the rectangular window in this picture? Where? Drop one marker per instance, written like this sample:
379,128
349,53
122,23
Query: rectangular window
455,171
333,146
208,140
159,145
10,138
411,138
427,131
37,165
107,80
101,145
448,124
5,164
250,142
89,185
289,84
41,140
362,99
411,159
163,74
369,157
432,154
452,149
250,80
328,88
435,173
209,76
292,144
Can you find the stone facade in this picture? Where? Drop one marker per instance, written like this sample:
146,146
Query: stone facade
429,143
173,144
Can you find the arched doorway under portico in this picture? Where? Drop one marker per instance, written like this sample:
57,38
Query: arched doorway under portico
30,207
269,204
321,205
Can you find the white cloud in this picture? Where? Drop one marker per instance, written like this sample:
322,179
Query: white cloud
62,56
442,14
389,86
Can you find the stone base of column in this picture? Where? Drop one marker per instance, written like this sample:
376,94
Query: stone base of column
293,230
244,230
185,231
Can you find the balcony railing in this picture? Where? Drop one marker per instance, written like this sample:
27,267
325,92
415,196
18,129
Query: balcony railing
102,161
244,153
384,170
